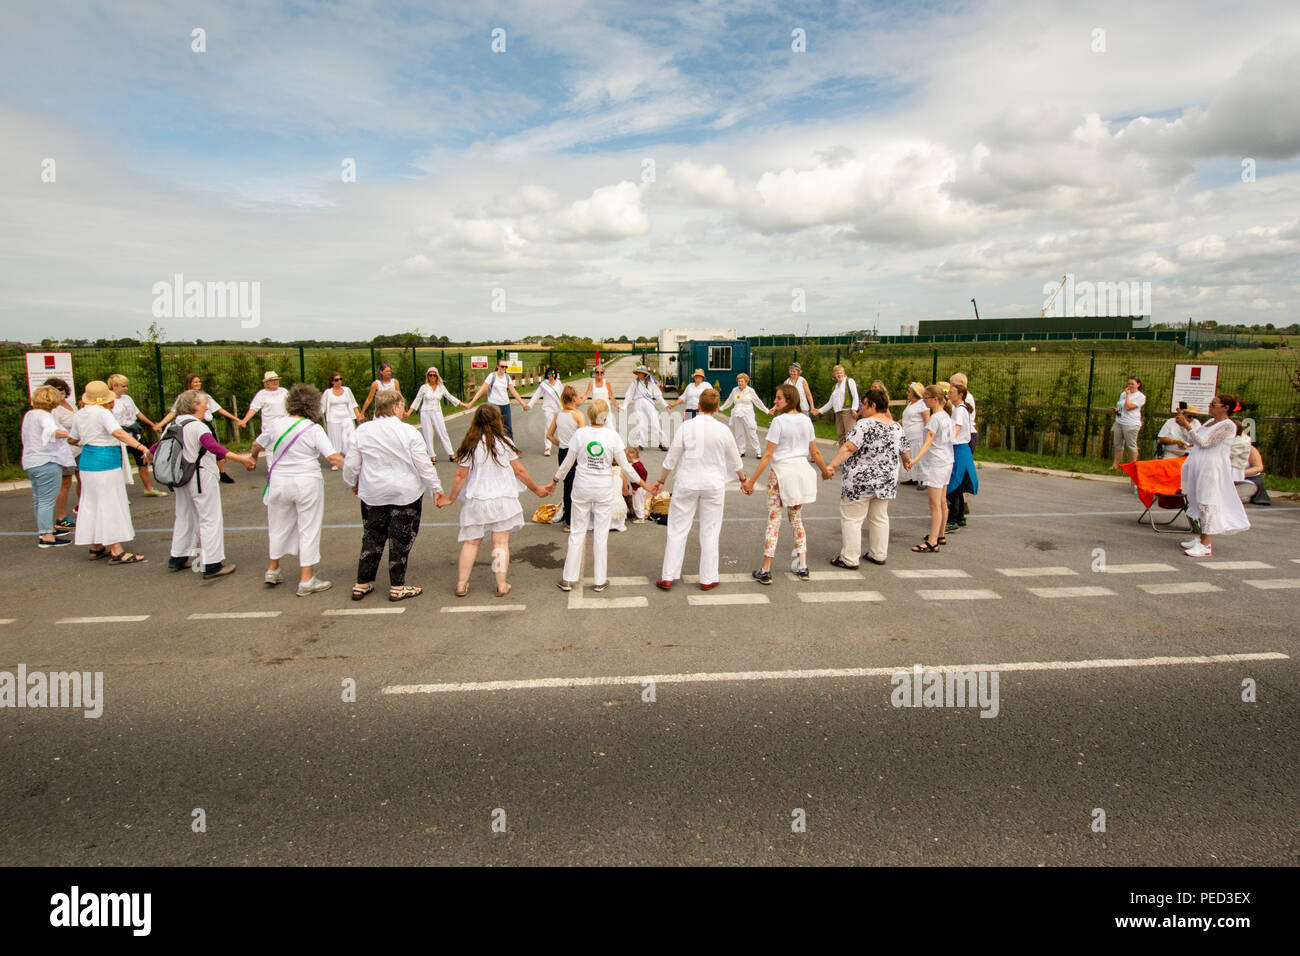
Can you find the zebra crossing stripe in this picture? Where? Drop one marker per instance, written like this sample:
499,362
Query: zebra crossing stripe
932,573
959,594
1180,587
706,600
1236,565
1136,568
1036,572
1275,584
834,597
1072,592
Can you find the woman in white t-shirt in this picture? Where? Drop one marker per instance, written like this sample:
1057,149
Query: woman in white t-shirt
792,483
937,452
295,488
428,402
339,408
45,454
915,417
592,450
490,474
964,479
270,402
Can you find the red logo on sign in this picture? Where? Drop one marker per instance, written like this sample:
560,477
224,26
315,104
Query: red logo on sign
49,361
1196,373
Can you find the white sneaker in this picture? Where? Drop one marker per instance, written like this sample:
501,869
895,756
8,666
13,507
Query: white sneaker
272,577
1200,551
311,587
1189,543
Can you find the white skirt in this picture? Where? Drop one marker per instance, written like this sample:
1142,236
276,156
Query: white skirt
480,517
340,435
797,480
104,516
934,475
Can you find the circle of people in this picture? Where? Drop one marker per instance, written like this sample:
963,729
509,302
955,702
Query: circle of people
389,467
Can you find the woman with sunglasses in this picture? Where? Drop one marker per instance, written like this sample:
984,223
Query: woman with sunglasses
498,387
428,402
339,408
598,387
1212,500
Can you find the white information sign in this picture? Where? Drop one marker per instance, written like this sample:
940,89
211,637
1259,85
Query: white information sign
1195,385
43,365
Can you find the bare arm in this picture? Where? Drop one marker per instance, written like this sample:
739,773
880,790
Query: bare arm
370,397
522,474
846,451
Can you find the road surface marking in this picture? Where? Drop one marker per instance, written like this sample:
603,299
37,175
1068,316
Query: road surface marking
832,597
598,603
1035,572
829,576
1136,568
479,608
1235,565
831,673
1274,584
1179,587
232,615
123,619
959,594
728,578
1072,592
348,612
625,582
932,573
707,599
7,620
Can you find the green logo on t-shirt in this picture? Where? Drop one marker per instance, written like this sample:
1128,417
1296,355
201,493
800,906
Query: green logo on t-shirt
595,449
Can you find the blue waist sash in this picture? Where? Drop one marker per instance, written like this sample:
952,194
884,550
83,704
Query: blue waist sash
101,457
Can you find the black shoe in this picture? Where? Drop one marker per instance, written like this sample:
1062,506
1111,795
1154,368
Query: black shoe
662,448
226,479
839,562
868,557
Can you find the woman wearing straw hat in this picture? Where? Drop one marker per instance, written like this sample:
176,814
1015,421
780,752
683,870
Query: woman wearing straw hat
428,402
641,398
104,521
385,383
691,394
270,402
549,394
342,415
915,417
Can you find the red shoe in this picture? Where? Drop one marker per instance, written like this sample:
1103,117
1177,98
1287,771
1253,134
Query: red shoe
664,585
709,587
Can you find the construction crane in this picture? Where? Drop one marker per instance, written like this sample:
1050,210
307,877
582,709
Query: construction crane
1049,302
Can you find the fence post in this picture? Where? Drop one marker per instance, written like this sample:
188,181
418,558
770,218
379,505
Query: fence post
415,374
374,372
302,365
157,367
934,367
1087,415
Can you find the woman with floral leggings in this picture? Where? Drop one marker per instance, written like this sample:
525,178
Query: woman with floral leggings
792,483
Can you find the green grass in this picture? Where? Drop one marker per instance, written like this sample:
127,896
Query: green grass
822,429
1095,466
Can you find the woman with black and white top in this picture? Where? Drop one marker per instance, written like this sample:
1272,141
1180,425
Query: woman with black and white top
295,493
428,402
385,383
792,483
744,426
871,454
489,473
598,387
964,479
561,430
341,414
549,393
937,452
592,450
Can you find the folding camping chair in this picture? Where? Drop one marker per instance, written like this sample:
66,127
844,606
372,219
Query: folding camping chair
1176,503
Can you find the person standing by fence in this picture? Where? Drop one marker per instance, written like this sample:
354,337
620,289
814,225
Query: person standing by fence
1212,500
194,382
800,385
915,417
843,402
1128,421
428,402
63,414
959,378
45,454
964,479
385,383
937,452
498,387
129,417
270,401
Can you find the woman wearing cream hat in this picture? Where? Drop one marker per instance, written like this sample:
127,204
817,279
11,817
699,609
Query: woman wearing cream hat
641,398
104,520
691,394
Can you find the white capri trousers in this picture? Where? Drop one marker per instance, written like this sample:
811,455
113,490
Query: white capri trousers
340,435
432,424
875,511
295,508
546,428
591,509
199,528
681,515
745,426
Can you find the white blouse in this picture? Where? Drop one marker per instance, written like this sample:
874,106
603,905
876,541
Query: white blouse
40,447
428,401
961,417
940,454
94,425
338,408
492,477
549,395
745,399
296,456
388,463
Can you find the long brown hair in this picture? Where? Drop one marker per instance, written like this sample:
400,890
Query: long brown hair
791,395
488,428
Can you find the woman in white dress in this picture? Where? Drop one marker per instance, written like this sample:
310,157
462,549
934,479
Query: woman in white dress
428,402
936,449
104,521
591,452
1212,500
792,483
295,488
490,474
385,383
561,432
548,393
643,394
743,423
598,387
339,408
915,417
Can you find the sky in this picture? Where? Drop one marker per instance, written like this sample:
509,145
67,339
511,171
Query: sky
612,169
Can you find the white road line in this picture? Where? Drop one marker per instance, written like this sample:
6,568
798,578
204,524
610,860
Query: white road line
123,619
1035,572
1180,587
932,573
350,611
727,578
959,594
831,673
614,603
1136,568
7,620
1072,592
479,608
1235,565
1274,584
829,576
232,615
833,597
625,582
703,600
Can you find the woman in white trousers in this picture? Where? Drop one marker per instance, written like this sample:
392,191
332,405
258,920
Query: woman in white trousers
428,402
591,451
341,413
295,488
743,424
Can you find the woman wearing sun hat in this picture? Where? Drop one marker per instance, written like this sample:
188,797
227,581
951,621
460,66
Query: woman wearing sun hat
270,402
641,398
428,402
691,394
104,521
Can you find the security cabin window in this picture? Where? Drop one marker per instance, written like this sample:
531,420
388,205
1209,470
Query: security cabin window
720,358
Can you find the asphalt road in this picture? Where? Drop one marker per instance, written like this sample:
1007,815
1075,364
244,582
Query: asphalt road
245,718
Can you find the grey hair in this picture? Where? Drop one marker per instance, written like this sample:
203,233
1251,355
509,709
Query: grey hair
387,403
188,400
303,401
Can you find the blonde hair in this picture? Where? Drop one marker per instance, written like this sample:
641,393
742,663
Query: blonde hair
916,388
597,412
958,378
46,397
569,396
742,375
116,379
633,453
938,391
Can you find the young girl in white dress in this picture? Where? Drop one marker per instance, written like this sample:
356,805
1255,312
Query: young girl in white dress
937,451
428,402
